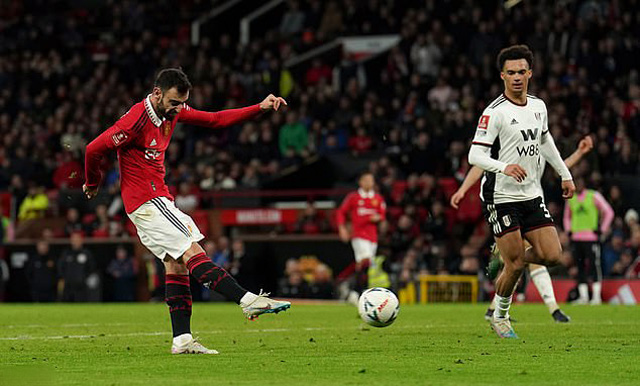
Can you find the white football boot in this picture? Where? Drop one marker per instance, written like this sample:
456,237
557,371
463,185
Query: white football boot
191,347
264,305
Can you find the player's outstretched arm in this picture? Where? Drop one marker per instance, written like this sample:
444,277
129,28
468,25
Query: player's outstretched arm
471,178
550,152
584,147
230,117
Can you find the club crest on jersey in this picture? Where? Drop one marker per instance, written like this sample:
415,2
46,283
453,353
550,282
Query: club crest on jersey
374,202
119,137
506,220
484,122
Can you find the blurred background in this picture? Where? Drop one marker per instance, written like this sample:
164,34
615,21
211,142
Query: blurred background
390,86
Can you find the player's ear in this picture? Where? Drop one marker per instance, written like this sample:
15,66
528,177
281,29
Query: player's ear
502,75
157,93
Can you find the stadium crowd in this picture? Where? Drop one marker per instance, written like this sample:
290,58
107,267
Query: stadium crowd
68,74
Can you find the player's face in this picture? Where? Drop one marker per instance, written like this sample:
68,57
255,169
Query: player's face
366,182
516,75
170,102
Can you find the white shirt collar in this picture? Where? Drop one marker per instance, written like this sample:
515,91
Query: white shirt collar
151,112
364,194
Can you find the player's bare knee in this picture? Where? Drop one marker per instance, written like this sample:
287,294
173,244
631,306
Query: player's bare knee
174,267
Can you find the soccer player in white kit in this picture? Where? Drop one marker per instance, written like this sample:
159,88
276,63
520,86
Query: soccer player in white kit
511,139
539,273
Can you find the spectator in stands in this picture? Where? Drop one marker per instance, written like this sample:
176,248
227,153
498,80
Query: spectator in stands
311,223
76,267
42,274
100,224
34,205
73,224
293,285
361,143
185,199
612,251
293,136
321,286
293,20
435,227
222,256
123,271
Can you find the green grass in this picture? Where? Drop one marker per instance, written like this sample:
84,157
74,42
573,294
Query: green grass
128,344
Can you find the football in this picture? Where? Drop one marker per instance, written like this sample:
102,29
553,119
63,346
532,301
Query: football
378,307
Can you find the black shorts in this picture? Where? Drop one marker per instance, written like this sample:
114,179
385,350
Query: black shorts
519,215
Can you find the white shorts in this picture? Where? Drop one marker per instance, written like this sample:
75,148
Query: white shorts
164,229
363,249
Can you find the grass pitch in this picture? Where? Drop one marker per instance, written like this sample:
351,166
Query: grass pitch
128,344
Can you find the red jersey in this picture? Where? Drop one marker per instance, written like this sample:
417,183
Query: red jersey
141,138
360,206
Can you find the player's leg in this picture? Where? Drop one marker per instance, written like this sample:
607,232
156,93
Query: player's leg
596,273
218,279
580,258
178,298
542,280
363,251
364,259
512,250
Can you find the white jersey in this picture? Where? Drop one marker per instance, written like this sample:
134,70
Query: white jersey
514,133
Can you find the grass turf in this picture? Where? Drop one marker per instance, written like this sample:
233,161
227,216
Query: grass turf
128,344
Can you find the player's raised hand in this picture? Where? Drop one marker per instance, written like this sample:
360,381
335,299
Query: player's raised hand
585,145
568,189
516,171
456,198
272,102
89,192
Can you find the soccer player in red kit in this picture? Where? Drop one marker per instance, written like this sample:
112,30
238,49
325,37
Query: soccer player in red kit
366,209
140,138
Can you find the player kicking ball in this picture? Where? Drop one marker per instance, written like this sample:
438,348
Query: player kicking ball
539,273
140,138
511,139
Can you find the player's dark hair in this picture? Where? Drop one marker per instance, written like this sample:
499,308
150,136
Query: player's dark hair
173,77
364,173
516,52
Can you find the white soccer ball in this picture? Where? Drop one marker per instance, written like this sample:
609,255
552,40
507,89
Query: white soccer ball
378,307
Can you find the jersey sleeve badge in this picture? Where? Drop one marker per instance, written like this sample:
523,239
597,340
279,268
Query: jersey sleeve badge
483,123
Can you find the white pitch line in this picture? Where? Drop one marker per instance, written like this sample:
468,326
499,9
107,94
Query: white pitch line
69,325
156,333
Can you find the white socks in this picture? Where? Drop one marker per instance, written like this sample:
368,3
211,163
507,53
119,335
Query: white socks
182,340
583,291
247,299
502,306
542,281
596,287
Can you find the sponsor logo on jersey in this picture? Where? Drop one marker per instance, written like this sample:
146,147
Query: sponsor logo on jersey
152,154
481,133
484,122
360,202
514,122
506,220
538,116
119,137
153,142
529,134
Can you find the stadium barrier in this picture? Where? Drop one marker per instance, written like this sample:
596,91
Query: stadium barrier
440,289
